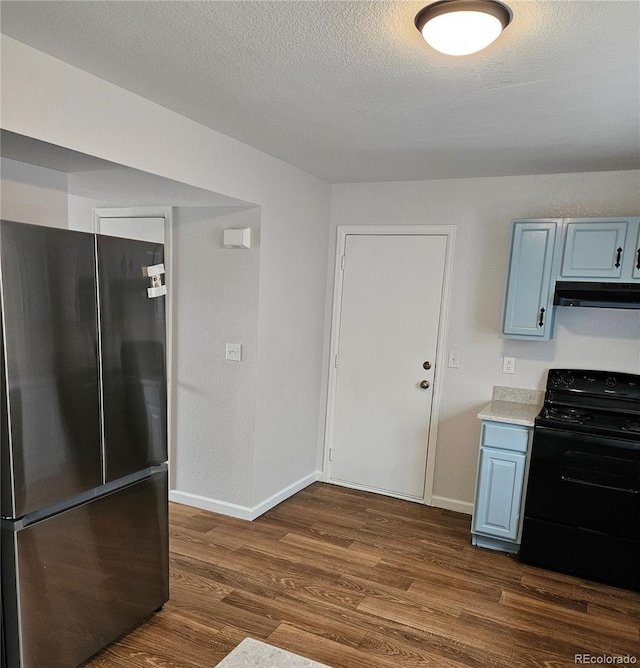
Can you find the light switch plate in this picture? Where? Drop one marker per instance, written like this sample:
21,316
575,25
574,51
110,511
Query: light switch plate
234,352
454,359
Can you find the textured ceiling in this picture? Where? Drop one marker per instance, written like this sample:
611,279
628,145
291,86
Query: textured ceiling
349,91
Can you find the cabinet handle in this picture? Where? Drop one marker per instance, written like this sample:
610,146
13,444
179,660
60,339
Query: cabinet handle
638,262
541,323
618,256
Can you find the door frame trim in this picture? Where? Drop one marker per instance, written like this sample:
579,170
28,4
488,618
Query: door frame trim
448,231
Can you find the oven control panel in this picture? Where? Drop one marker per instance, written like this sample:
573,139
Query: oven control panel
603,383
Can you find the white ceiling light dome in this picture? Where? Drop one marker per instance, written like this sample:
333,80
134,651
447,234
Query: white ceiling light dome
461,27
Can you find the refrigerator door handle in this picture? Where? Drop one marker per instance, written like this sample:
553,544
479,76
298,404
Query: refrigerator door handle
154,272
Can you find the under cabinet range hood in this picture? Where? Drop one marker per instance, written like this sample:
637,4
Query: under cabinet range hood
597,295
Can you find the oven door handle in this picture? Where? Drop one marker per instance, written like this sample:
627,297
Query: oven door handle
595,484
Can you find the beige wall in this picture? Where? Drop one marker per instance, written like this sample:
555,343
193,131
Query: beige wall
30,194
91,116
482,210
215,301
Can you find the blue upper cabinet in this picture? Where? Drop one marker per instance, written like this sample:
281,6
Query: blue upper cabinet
547,250
528,304
594,248
635,258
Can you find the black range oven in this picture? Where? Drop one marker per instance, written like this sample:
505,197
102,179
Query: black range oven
582,510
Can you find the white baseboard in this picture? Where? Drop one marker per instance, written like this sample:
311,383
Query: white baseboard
452,504
285,493
243,512
213,505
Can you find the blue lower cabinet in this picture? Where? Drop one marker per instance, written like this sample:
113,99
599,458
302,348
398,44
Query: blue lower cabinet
500,486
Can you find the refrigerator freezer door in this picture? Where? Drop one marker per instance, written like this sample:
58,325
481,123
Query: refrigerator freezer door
51,446
133,357
85,576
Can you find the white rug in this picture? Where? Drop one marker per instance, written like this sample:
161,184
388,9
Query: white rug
252,653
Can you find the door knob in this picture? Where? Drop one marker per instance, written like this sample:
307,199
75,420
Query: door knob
426,365
425,384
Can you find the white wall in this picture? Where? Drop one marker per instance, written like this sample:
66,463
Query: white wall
38,195
81,212
89,115
482,209
215,299
30,194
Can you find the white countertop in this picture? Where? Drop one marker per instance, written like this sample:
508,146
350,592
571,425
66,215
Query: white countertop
513,405
511,412
252,653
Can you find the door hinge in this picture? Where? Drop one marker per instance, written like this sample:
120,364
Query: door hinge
335,361
342,260
330,454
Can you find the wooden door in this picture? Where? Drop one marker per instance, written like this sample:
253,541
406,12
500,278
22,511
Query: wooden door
388,332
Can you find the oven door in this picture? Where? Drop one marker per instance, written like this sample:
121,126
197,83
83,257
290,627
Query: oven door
585,481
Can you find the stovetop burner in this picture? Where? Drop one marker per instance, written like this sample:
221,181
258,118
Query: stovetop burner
631,425
570,415
598,403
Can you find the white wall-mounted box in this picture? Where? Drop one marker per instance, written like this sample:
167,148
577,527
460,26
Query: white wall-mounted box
237,238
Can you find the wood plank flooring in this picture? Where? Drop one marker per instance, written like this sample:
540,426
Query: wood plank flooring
357,580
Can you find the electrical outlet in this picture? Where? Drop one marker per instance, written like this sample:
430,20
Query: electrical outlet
454,359
508,365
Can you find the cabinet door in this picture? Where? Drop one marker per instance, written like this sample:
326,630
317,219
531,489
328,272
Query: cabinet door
594,249
499,493
528,300
636,257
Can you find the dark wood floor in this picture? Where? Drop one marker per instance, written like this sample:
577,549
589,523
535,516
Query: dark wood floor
356,580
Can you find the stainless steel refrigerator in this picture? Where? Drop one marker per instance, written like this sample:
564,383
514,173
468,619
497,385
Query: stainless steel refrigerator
84,538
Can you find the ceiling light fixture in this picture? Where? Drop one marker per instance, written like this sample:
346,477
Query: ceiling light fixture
461,27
